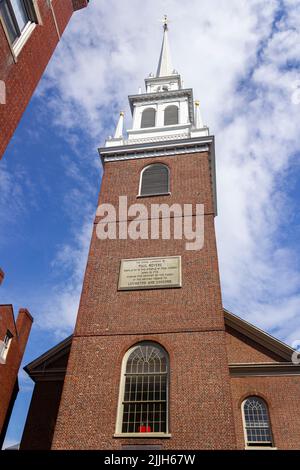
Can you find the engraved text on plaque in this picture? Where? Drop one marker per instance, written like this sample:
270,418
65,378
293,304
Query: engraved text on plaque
150,273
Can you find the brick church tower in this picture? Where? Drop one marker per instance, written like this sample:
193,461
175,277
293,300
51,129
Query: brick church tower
29,33
155,361
148,363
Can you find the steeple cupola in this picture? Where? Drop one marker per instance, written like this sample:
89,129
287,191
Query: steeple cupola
166,110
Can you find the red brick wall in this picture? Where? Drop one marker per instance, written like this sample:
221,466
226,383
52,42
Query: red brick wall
198,391
241,349
189,180
78,4
282,396
187,308
187,321
22,77
40,423
9,370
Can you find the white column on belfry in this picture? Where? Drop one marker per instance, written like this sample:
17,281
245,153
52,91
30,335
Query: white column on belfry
198,118
119,128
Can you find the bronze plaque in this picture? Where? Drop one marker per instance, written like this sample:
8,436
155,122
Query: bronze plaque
150,273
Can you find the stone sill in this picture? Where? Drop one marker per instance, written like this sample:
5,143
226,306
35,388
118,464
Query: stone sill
154,195
260,448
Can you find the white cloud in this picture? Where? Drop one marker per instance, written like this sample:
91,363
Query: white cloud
58,313
57,310
14,186
240,57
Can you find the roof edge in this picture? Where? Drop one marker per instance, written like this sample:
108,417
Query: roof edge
264,369
258,335
50,354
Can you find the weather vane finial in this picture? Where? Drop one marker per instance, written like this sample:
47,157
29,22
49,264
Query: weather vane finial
165,22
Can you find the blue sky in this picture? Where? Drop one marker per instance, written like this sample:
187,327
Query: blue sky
243,64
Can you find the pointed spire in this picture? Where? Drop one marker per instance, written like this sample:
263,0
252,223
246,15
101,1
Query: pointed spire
119,128
198,118
165,65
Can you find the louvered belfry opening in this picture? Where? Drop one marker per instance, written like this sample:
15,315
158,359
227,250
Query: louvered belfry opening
171,115
148,118
146,395
155,180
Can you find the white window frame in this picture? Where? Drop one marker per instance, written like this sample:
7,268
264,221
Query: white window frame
19,43
4,346
256,447
120,408
141,179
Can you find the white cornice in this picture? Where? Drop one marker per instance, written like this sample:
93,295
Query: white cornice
154,152
160,145
264,369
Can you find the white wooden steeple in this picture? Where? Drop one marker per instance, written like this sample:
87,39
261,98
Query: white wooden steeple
165,68
166,111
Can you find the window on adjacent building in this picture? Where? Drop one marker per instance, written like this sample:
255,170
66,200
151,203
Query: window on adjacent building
171,115
16,15
4,345
144,390
154,180
148,118
257,423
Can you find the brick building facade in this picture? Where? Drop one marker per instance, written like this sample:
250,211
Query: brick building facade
154,358
259,365
13,340
1,276
29,33
48,372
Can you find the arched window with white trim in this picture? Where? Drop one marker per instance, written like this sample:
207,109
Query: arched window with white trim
143,402
257,425
171,115
154,180
148,118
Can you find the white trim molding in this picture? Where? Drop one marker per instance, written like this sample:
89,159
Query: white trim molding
4,348
54,19
264,369
20,42
260,447
150,153
141,179
25,35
